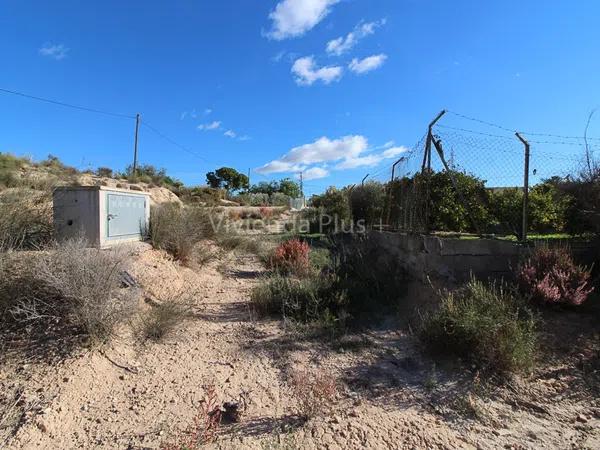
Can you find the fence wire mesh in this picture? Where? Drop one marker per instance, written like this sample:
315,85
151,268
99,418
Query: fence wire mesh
474,180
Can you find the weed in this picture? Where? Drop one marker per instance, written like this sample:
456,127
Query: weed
315,392
291,257
483,323
205,425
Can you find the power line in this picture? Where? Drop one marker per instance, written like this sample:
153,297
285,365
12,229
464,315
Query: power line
67,105
173,142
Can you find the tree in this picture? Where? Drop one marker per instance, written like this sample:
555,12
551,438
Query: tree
289,187
286,187
227,178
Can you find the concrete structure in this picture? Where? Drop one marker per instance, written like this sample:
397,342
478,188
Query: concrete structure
103,216
455,260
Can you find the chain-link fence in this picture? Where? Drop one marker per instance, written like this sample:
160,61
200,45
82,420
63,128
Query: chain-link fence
457,179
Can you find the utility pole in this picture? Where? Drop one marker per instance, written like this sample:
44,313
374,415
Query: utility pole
135,145
362,183
525,188
301,186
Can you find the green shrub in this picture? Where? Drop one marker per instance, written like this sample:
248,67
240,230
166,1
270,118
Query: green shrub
177,229
373,284
335,204
448,213
306,300
506,207
367,202
485,324
104,172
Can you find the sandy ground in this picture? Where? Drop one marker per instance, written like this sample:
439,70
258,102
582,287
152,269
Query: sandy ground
132,396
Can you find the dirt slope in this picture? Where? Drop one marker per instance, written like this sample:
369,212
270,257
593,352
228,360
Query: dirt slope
134,396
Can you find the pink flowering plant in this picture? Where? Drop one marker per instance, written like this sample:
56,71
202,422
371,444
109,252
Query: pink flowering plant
550,276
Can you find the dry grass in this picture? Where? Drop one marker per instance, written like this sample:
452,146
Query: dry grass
163,317
315,392
177,229
25,219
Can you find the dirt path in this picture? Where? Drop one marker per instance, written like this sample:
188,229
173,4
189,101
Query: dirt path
134,396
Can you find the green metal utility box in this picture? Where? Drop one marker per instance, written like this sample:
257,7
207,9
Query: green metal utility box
103,216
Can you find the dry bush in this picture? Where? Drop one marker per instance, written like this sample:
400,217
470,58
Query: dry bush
25,219
75,283
177,229
205,425
315,392
164,316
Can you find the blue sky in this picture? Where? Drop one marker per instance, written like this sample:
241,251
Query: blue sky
334,88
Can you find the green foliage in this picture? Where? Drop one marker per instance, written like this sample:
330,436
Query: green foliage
547,208
447,212
289,187
306,300
227,178
286,186
582,202
373,284
104,172
334,202
367,202
506,207
485,324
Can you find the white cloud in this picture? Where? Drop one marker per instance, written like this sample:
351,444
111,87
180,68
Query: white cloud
349,152
394,151
314,173
230,133
362,161
306,72
54,51
278,166
215,125
343,44
207,111
320,151
367,64
244,138
293,18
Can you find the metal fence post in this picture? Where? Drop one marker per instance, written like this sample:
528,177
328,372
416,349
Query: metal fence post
426,168
525,188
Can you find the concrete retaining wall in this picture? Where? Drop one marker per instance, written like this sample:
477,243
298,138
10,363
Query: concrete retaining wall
454,260
450,259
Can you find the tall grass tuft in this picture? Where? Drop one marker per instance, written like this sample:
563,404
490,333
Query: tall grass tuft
177,229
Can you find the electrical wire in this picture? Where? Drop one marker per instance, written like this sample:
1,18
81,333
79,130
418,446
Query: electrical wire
67,105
